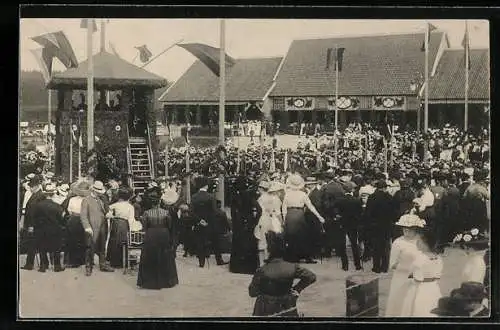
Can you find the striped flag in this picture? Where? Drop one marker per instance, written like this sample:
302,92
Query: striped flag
208,55
61,48
44,58
84,24
334,55
428,29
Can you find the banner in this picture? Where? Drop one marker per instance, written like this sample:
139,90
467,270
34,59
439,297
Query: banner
299,103
343,103
389,103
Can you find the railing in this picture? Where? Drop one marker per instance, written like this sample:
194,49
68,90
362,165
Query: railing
129,162
150,155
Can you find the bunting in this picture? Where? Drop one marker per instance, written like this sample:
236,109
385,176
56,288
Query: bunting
208,55
144,53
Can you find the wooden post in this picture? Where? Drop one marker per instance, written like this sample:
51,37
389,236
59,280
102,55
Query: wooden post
222,100
90,87
71,149
48,128
466,107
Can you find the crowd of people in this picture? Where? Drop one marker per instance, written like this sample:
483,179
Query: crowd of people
287,207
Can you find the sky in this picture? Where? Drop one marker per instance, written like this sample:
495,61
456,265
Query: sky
245,38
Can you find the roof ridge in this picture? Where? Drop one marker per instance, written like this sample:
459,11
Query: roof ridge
259,58
382,34
454,49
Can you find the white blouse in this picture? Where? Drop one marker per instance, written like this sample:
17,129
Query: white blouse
475,268
75,205
126,211
403,252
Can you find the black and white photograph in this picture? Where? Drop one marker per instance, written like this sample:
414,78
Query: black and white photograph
256,168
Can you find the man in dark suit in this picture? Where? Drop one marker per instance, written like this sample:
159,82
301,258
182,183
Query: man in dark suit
313,187
204,208
330,193
48,224
93,218
29,218
348,217
380,217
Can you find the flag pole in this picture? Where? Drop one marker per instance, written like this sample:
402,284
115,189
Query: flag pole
238,147
90,87
188,184
161,53
71,150
335,103
79,147
426,108
48,127
222,98
385,154
466,112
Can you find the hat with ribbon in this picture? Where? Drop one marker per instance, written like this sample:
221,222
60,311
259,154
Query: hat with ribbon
295,182
98,187
50,189
410,221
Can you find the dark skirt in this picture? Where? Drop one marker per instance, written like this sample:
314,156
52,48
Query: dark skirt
157,268
117,241
244,252
75,242
296,234
276,306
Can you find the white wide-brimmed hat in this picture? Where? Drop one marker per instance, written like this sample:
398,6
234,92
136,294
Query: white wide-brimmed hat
411,221
63,189
170,197
295,182
49,189
275,186
98,187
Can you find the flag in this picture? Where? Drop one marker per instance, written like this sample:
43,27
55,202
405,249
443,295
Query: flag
428,30
208,55
144,53
466,46
334,55
44,59
61,49
185,133
113,49
84,22
386,129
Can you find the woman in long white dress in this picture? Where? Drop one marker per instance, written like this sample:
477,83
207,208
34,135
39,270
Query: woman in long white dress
424,292
403,252
295,227
270,219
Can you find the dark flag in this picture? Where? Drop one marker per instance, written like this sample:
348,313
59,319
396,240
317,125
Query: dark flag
208,55
386,129
144,53
57,44
334,55
428,31
84,22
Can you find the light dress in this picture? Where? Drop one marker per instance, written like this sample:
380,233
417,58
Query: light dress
424,291
403,252
270,220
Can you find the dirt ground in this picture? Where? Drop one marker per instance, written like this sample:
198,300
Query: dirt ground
207,292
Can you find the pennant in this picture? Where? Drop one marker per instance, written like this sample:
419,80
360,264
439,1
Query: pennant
44,59
144,53
84,22
429,28
334,55
208,55
113,49
466,46
62,49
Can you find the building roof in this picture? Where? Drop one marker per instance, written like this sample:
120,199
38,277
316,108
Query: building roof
449,81
110,71
372,65
248,80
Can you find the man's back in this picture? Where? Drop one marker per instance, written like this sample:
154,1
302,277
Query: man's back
350,209
203,205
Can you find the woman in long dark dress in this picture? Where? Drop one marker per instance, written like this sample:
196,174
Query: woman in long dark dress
273,285
245,216
74,254
157,267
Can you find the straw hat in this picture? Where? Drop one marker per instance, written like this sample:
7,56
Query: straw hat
81,188
63,189
98,187
50,189
295,182
410,221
